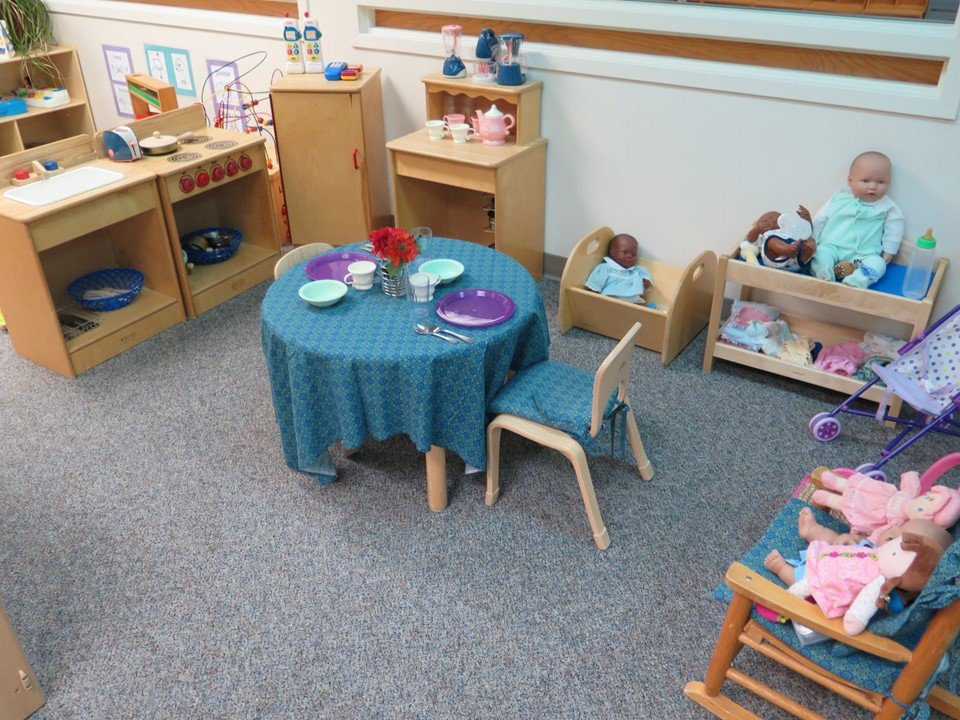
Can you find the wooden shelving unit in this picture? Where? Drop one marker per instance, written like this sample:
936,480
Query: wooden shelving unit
45,248
821,304
457,189
39,126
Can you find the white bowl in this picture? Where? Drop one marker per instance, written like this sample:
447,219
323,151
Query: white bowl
323,293
448,270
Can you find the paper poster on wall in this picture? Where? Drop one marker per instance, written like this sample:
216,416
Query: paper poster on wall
171,65
226,104
119,65
121,98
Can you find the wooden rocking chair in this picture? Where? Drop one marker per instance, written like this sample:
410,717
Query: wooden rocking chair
887,676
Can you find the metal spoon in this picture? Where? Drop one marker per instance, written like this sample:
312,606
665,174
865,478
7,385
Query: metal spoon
436,330
423,331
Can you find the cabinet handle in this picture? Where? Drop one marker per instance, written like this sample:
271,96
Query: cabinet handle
356,164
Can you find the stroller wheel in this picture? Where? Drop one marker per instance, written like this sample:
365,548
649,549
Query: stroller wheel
824,427
869,470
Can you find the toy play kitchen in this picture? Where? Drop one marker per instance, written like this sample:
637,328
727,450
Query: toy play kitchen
209,178
67,217
490,194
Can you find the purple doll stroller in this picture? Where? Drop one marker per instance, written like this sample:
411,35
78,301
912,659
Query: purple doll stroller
926,376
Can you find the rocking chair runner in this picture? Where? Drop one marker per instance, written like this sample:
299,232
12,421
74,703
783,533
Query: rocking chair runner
884,670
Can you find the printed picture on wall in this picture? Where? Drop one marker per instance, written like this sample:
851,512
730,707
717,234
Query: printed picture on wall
226,105
121,98
119,65
171,65
119,62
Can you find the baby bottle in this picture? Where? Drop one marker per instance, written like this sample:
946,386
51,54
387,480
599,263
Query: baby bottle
921,267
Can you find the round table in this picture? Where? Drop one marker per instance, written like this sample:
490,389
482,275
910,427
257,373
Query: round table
357,368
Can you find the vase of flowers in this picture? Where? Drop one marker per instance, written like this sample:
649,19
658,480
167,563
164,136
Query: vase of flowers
396,248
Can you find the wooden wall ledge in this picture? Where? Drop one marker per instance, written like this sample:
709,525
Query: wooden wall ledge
921,71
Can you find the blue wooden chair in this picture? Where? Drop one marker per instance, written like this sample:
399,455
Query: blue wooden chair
564,408
894,669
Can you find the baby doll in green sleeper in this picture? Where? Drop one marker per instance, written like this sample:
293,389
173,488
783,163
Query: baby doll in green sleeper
860,228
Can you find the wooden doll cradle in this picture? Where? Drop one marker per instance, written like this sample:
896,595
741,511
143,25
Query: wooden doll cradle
682,298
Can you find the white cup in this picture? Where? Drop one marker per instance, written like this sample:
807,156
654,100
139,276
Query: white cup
461,132
420,288
360,274
436,129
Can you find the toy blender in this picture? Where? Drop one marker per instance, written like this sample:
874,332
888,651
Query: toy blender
488,48
511,70
453,66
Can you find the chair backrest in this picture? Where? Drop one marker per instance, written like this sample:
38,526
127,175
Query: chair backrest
614,372
297,255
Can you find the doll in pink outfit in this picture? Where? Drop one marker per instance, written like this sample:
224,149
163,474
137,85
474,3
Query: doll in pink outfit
852,581
870,506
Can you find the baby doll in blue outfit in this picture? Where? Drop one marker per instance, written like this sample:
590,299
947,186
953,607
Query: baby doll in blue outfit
619,275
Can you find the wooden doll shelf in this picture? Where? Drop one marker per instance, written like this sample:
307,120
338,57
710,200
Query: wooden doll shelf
819,304
682,296
45,248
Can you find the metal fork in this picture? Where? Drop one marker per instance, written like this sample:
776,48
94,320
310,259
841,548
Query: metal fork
436,329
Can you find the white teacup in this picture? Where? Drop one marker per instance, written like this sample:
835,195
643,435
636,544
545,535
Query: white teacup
436,129
461,132
360,274
420,286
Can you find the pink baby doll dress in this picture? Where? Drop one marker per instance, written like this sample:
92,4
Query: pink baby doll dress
870,505
836,574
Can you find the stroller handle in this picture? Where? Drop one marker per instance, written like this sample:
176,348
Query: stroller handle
936,471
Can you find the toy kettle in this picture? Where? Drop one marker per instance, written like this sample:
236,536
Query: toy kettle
493,126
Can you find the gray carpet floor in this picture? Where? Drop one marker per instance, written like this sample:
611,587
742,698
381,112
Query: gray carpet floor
159,560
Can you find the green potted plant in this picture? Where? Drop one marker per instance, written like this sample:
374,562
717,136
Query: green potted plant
31,33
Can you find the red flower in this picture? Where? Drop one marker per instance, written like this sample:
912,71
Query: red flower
395,245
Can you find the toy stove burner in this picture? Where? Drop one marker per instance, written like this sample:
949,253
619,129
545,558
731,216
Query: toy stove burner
221,145
195,139
184,157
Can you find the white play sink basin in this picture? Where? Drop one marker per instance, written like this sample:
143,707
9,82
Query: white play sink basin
63,186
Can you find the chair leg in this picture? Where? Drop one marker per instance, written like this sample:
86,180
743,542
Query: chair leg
636,444
728,643
493,463
579,460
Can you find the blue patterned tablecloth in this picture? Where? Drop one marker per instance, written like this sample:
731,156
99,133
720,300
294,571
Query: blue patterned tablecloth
357,368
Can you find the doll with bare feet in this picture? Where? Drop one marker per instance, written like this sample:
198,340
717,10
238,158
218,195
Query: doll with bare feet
853,581
619,275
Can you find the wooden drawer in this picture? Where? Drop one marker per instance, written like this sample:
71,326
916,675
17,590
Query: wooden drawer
234,285
124,338
446,172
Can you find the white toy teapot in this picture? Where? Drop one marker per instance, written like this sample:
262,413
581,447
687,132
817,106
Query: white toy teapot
493,126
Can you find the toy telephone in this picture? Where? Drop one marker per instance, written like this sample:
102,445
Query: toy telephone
291,43
313,57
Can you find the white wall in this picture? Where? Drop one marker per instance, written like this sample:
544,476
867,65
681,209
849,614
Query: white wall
682,169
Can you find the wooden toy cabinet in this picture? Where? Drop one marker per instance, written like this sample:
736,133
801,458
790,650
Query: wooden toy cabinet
39,126
487,194
330,143
45,248
820,303
236,194
20,693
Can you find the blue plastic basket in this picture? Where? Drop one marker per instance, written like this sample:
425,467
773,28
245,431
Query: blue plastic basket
195,244
109,289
